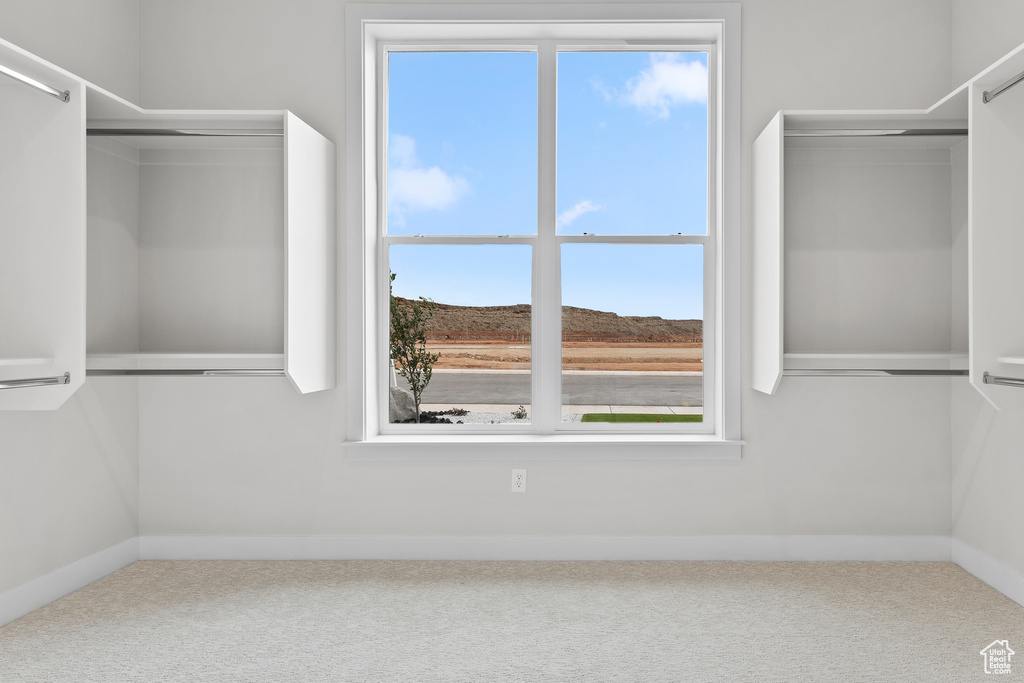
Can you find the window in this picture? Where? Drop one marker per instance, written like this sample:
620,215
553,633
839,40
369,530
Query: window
557,187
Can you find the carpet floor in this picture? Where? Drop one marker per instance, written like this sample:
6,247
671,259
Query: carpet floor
517,621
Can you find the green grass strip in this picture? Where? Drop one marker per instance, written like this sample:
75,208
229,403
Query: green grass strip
639,417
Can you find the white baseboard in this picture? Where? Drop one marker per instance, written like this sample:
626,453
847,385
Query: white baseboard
994,573
34,594
736,548
30,596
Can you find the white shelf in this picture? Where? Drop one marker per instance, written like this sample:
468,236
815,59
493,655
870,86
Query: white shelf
12,362
875,361
1011,360
184,361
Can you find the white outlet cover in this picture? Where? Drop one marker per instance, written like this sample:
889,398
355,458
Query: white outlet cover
518,481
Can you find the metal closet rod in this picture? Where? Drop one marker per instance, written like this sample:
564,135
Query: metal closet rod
1005,381
35,382
989,95
226,372
62,95
190,132
870,132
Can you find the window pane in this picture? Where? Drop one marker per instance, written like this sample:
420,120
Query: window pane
462,143
632,143
632,333
480,328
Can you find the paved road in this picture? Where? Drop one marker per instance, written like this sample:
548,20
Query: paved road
621,390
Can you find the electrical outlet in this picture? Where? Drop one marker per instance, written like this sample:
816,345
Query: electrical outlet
518,481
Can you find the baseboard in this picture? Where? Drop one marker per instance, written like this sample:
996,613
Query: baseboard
44,590
30,596
551,548
994,573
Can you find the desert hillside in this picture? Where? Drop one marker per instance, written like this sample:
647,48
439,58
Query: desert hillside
578,324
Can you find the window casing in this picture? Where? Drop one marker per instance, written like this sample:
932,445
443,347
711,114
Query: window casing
369,333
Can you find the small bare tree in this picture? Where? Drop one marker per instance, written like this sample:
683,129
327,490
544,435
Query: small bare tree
409,342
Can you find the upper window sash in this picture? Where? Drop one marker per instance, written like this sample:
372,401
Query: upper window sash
659,106
385,48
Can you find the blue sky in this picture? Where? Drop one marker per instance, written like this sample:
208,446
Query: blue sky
632,150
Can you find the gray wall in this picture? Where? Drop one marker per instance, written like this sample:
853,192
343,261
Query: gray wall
983,31
69,483
988,470
96,40
69,478
825,456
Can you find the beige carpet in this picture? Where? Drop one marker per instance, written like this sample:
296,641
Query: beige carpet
530,621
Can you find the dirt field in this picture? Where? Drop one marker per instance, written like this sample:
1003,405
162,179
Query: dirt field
637,356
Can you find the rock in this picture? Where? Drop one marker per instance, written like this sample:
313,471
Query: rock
401,405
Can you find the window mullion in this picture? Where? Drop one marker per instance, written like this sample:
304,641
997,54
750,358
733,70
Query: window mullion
547,310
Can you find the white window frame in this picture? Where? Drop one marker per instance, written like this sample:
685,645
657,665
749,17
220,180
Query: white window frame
546,28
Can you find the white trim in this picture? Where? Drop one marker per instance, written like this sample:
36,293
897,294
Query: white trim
30,596
993,572
369,24
522,448
546,335
548,548
729,170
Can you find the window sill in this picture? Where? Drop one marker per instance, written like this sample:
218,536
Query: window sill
520,448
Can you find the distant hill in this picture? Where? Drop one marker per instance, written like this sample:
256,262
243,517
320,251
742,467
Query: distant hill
578,324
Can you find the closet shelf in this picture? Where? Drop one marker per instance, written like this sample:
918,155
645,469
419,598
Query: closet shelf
14,362
910,363
183,363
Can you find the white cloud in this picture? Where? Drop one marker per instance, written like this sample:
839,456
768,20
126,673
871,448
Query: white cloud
413,187
668,81
402,151
606,92
424,188
569,215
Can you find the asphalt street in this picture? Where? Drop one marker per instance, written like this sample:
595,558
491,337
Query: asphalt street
622,390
